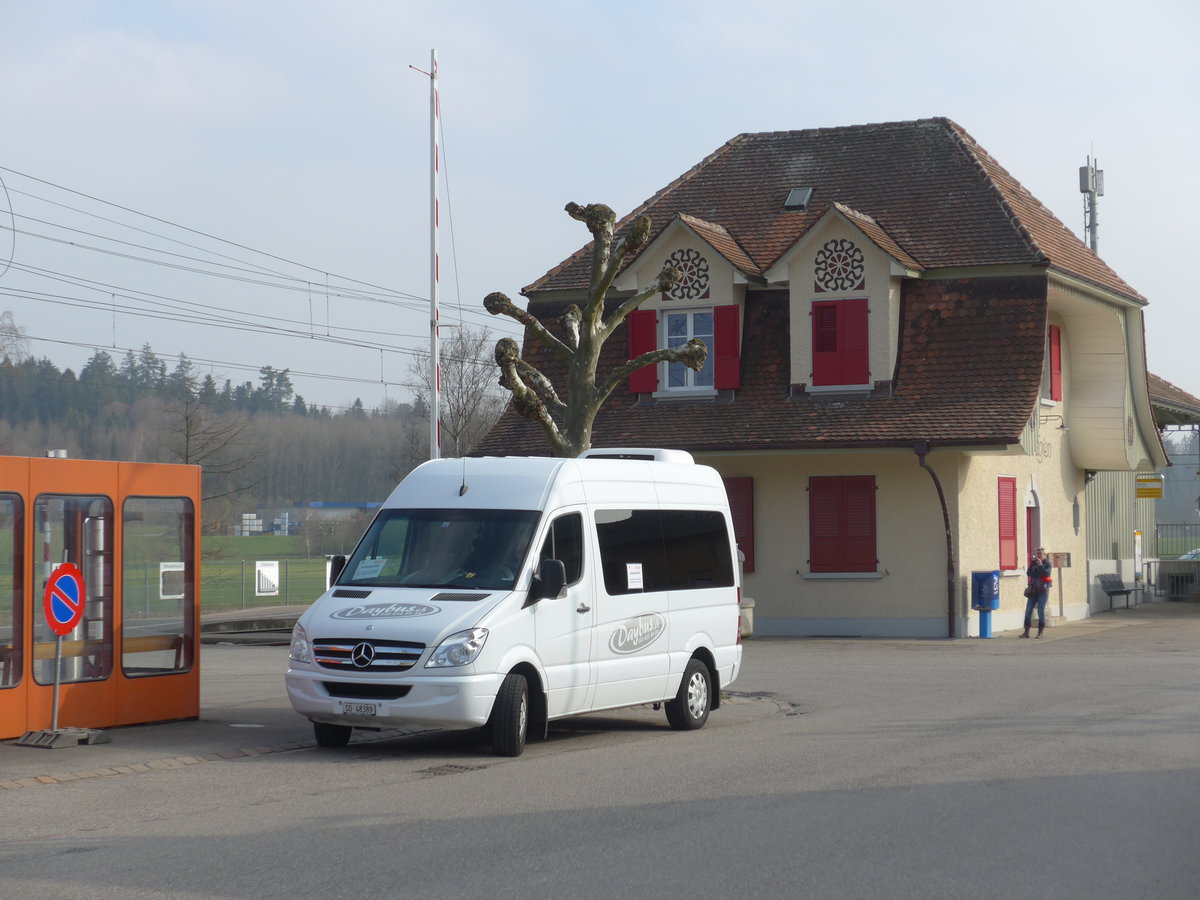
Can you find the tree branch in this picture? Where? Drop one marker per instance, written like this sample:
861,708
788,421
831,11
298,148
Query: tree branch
498,304
569,321
633,241
542,385
667,278
692,354
526,401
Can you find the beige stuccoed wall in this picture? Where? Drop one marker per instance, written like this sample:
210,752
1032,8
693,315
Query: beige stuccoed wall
909,594
1049,476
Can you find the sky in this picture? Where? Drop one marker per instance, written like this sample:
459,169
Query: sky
247,181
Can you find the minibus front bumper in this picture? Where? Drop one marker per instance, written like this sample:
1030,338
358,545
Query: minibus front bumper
441,701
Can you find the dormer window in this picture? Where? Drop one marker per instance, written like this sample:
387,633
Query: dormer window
719,328
681,328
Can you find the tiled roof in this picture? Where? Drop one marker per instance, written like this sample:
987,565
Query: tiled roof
882,239
1172,405
969,371
723,242
927,184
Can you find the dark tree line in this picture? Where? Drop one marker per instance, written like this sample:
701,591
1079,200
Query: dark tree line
37,390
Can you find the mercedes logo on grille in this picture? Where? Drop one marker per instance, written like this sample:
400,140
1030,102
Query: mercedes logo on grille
362,655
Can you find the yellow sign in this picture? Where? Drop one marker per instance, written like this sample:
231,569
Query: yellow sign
1148,485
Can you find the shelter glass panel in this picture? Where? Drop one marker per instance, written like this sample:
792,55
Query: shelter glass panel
76,529
12,632
158,585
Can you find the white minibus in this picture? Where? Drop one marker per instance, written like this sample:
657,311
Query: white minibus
505,593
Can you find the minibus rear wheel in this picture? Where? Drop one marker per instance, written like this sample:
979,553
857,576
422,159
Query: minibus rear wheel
331,735
689,710
510,716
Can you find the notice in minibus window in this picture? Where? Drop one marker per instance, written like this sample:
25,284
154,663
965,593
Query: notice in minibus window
370,568
633,574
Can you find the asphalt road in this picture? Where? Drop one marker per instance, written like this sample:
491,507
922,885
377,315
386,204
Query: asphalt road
1066,767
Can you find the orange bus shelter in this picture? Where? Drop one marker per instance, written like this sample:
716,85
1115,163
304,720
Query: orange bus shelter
133,531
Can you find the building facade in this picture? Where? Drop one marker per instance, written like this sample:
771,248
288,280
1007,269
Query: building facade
914,370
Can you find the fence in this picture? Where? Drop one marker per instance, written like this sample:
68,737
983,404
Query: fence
1176,540
227,584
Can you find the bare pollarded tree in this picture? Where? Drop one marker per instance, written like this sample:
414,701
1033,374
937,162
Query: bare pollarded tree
14,346
568,422
469,403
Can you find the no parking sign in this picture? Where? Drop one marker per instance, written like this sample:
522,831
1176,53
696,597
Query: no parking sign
64,598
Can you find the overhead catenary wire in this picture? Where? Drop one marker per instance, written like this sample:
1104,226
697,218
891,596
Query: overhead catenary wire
124,301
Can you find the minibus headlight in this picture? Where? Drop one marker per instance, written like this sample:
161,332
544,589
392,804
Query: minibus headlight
300,652
458,649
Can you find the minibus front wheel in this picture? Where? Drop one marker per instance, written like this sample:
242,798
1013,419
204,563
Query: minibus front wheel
510,716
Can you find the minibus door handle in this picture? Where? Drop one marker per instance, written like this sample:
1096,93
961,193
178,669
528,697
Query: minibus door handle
582,608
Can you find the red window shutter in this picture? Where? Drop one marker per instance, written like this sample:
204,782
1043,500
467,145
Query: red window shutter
859,554
827,368
825,524
841,342
856,345
842,536
1055,363
727,368
741,506
643,337
1007,503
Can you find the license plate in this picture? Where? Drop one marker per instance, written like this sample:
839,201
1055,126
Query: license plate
355,708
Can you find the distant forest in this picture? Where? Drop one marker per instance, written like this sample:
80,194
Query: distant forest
258,443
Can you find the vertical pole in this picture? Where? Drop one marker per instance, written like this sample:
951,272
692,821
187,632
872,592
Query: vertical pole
57,681
434,365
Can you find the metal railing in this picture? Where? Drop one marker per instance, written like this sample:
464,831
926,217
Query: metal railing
1174,579
1176,540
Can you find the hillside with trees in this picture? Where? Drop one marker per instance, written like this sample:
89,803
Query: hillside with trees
260,444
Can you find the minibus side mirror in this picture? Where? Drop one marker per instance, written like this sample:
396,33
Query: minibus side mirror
336,565
549,582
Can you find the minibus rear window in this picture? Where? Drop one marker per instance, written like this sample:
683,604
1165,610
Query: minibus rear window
437,548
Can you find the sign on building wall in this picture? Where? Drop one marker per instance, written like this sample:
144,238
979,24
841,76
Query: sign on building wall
1148,486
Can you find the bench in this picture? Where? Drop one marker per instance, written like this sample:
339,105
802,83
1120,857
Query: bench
1113,586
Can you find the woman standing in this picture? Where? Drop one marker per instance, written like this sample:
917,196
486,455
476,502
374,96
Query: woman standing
1038,591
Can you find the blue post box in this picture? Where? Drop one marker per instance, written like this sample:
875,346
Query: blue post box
985,597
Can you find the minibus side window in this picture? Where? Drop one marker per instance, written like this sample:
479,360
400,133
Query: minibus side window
669,549
631,547
564,542
697,549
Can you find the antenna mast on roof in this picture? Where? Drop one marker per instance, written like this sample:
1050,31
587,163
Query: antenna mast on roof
1091,185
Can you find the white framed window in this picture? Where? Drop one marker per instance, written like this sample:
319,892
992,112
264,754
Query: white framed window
682,326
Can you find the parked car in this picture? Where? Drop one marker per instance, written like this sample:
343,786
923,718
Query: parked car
1192,554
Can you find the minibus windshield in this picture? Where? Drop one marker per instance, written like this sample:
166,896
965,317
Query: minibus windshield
439,548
